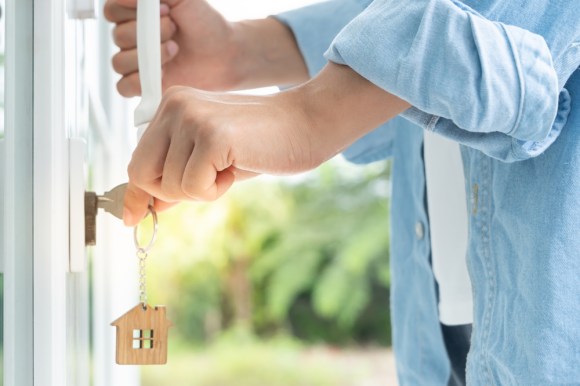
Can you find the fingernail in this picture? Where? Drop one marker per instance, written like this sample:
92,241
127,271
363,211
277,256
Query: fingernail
164,9
172,48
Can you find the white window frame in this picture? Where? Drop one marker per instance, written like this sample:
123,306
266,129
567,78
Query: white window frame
46,307
18,195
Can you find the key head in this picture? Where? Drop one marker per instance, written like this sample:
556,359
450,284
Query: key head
112,201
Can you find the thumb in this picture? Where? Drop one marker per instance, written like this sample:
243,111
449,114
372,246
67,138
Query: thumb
136,205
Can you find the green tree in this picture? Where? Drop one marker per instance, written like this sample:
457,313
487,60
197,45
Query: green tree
308,254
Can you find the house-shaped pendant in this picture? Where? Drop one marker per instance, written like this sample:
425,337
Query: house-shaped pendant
142,336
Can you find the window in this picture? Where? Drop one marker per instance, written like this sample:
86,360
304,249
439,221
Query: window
142,339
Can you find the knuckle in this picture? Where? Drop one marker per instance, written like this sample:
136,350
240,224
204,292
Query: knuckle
189,121
137,174
174,98
206,133
134,174
170,190
193,190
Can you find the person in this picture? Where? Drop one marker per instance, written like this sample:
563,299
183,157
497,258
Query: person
497,77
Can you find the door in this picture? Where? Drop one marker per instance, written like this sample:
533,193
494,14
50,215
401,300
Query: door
56,98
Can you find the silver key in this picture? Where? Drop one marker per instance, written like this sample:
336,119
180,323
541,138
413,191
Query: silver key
112,201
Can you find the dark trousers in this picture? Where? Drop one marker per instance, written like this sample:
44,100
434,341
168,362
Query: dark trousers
457,341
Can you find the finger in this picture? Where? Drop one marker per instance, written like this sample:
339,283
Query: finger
120,11
136,205
161,206
117,13
127,3
177,157
125,62
146,166
125,34
129,85
202,180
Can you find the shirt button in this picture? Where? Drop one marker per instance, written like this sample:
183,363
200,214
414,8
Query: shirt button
419,230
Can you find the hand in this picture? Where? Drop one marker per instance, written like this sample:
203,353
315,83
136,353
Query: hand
197,42
200,142
201,49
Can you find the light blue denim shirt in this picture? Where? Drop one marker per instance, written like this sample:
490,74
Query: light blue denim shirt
500,78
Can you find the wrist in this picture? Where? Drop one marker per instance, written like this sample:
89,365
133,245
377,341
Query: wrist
339,106
266,54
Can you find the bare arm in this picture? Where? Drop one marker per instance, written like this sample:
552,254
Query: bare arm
268,55
200,142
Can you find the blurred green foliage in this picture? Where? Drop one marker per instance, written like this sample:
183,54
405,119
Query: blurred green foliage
238,358
306,255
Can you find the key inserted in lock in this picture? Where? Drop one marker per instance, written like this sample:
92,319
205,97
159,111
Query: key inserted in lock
111,201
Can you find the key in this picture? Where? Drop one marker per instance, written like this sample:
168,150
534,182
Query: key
112,201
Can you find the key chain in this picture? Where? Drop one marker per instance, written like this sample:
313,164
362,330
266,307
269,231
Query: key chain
142,332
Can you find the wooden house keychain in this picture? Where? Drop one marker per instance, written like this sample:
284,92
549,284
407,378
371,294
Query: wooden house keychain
142,332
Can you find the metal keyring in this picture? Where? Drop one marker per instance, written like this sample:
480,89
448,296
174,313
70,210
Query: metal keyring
153,237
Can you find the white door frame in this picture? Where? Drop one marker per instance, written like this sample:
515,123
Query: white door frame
18,195
51,198
46,308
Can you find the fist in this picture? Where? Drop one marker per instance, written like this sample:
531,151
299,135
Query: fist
197,45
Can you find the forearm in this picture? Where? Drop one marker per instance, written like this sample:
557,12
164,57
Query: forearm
200,142
267,54
289,48
341,106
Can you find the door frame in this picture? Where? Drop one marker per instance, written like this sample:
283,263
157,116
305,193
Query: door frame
45,307
51,198
18,195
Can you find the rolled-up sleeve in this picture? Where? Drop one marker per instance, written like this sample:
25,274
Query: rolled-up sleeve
466,76
316,26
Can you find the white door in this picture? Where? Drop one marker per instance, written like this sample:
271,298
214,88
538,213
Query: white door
54,60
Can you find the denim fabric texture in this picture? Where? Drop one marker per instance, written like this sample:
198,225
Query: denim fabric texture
501,78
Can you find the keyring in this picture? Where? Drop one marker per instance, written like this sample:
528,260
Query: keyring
153,237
